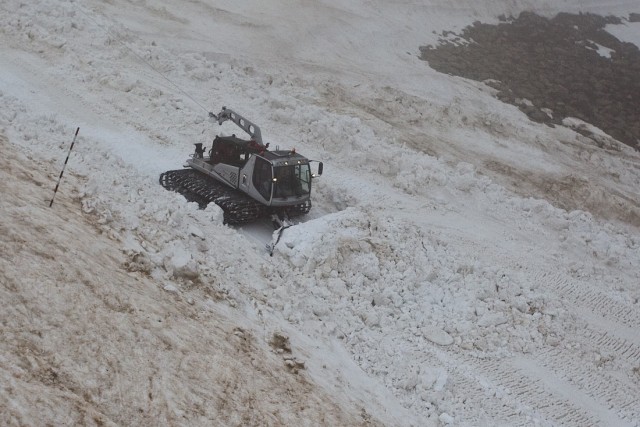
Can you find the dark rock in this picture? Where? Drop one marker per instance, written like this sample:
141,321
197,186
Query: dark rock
555,64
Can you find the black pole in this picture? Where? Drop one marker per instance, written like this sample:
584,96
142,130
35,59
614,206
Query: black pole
63,166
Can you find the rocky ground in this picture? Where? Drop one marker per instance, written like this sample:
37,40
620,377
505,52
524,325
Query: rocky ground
567,66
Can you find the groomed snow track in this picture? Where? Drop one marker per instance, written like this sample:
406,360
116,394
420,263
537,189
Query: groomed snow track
238,208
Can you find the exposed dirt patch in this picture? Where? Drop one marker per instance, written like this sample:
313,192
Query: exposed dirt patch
568,66
280,343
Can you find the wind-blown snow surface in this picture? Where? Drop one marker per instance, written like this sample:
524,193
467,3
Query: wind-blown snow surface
449,272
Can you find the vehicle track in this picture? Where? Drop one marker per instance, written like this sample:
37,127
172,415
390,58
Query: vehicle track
522,390
598,384
610,329
525,393
557,388
588,378
609,341
583,295
478,390
561,385
610,324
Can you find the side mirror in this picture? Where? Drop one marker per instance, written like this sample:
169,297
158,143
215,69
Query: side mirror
319,172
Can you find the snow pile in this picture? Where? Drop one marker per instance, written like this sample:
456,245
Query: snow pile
451,270
391,298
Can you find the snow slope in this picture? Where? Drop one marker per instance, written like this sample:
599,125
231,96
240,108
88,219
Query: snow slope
461,265
88,340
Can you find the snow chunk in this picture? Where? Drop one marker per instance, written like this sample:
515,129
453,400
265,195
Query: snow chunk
437,335
171,289
372,320
446,418
180,262
196,232
215,212
492,319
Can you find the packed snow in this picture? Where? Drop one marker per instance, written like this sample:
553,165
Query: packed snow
460,266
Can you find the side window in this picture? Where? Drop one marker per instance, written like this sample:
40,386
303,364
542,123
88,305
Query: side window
304,173
215,154
263,177
224,152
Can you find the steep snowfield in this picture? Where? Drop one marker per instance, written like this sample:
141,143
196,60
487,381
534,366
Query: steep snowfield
461,265
87,341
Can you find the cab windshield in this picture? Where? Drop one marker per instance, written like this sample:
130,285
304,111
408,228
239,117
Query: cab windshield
291,181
